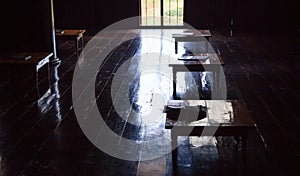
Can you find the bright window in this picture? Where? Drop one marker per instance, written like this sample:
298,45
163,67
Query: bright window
161,12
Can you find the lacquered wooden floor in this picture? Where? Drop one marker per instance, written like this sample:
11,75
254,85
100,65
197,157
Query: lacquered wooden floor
40,134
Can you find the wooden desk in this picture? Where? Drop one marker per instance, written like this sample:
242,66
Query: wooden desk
75,35
212,64
192,36
224,117
36,61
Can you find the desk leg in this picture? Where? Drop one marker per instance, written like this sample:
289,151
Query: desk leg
206,44
216,81
244,148
49,76
176,47
174,84
174,153
76,42
37,81
82,44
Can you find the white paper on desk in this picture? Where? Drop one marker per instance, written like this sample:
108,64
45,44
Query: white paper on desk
186,57
176,104
188,33
194,58
202,57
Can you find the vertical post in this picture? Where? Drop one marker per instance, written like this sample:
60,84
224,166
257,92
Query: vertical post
170,12
140,12
153,12
161,13
177,15
55,59
146,7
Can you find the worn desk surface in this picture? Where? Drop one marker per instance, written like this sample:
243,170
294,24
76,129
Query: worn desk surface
19,57
193,34
70,33
220,113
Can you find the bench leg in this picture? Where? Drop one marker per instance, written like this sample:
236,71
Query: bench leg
216,82
174,153
244,149
49,76
37,83
76,42
176,47
174,84
206,44
82,44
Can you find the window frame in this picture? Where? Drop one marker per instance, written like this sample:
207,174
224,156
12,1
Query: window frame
162,25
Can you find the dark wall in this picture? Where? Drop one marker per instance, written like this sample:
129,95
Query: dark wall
269,15
93,15
25,26
248,15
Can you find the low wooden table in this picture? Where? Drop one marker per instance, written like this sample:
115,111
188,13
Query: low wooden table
35,60
75,35
192,36
224,118
213,64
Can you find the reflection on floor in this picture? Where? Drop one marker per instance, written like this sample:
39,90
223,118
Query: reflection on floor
41,136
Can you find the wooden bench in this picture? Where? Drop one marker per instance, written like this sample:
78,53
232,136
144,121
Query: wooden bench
32,60
224,118
192,36
75,34
206,62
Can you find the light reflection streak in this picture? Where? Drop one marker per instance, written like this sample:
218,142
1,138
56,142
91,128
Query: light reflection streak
155,82
52,95
55,91
156,77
